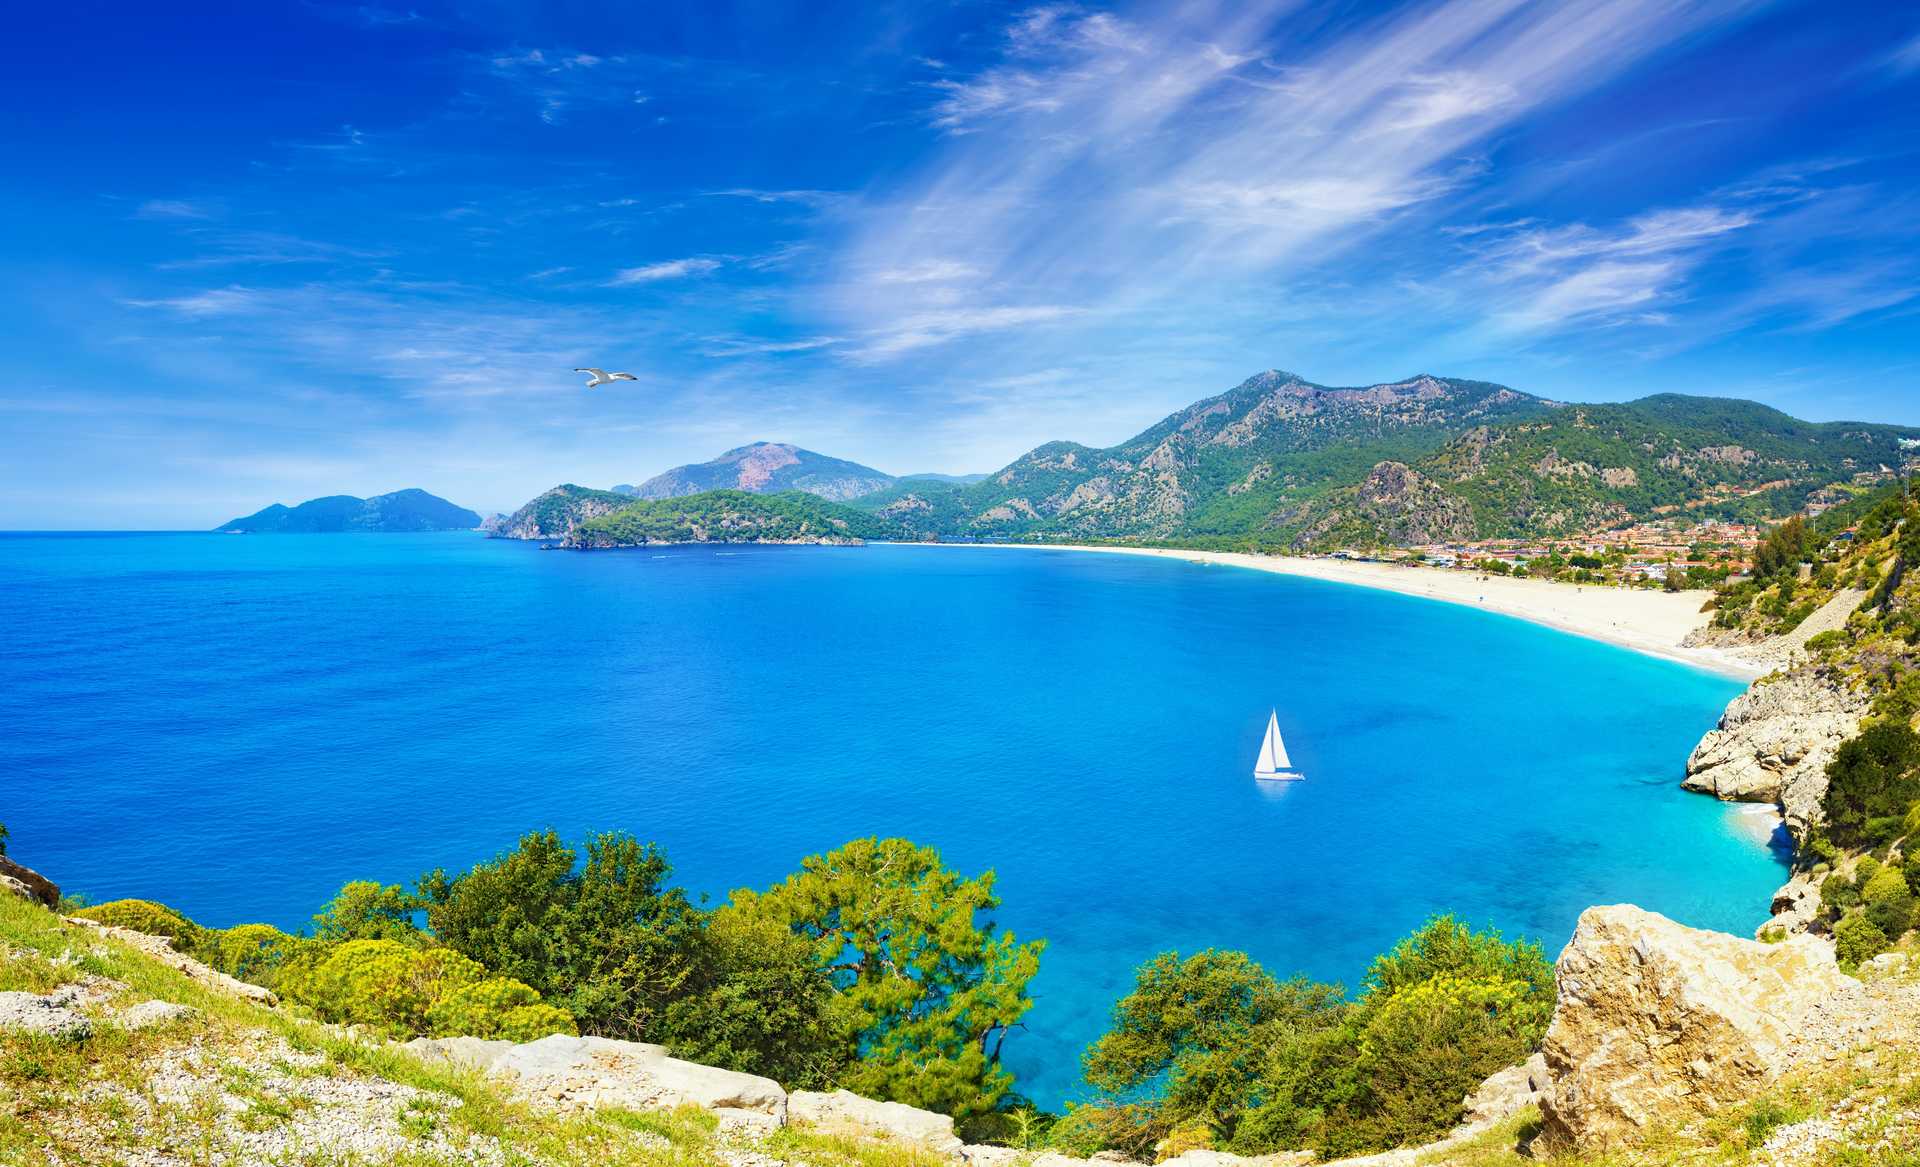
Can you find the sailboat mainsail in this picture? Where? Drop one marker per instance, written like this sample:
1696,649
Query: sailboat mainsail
1274,762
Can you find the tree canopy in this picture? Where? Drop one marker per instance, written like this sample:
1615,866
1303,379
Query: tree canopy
934,989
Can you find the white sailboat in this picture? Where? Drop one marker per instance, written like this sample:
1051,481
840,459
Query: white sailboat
1274,765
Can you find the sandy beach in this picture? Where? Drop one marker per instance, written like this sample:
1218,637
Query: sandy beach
1651,622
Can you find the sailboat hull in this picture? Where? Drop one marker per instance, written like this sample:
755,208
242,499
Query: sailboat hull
1279,775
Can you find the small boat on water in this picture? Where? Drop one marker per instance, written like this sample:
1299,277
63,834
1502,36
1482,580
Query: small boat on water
1274,765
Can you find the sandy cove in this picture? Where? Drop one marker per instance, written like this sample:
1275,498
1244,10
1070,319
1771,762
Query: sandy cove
1652,622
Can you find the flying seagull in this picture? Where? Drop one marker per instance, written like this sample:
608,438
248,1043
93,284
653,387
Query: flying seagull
602,377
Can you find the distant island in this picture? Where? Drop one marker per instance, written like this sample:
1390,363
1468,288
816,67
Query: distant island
581,518
402,510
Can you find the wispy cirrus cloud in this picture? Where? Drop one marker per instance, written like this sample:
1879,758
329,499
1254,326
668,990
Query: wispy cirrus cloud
227,301
739,347
1551,276
226,248
671,269
173,209
923,329
1906,58
1104,161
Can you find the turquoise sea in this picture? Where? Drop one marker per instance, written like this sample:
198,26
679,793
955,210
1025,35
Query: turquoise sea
237,725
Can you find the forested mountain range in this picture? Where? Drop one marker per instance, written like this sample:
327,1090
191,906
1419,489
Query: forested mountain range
1278,462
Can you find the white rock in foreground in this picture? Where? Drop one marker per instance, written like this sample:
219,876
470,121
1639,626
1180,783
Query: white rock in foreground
45,1015
1659,1023
847,1111
594,1072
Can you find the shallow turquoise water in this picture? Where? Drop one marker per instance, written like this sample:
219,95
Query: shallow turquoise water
236,726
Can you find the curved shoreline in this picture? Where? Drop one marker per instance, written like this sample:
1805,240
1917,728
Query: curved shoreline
1653,623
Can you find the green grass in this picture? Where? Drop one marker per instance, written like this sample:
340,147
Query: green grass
93,1101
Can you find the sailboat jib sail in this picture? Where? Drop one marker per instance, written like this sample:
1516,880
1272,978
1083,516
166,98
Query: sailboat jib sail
1274,763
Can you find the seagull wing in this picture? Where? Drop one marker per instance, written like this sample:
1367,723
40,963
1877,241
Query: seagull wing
622,377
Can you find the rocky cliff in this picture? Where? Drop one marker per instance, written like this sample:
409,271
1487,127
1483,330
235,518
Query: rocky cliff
1774,741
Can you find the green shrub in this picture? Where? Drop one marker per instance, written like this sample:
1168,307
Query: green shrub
252,952
1080,1132
1864,872
1911,869
1838,893
145,916
1855,940
766,1005
406,991
608,940
1893,912
364,910
1213,1042
1766,1117
1875,774
1201,1028
1883,830
1884,881
1822,641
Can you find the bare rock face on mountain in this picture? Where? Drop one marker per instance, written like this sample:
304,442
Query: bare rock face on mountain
1658,1023
1774,742
1396,504
767,467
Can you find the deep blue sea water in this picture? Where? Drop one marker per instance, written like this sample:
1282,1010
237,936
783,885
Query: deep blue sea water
236,726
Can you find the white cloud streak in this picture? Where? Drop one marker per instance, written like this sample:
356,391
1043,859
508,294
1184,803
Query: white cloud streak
672,269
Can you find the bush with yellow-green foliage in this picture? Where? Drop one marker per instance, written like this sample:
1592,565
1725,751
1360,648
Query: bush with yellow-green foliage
252,952
407,991
145,916
1857,940
1213,1042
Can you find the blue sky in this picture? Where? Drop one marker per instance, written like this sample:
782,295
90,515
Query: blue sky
258,252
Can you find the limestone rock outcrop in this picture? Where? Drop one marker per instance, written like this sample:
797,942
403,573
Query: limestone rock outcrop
1795,906
27,883
594,1072
161,949
1504,1095
1774,742
1659,1023
844,1110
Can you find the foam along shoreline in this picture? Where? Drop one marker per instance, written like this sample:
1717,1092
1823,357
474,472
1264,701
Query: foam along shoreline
1655,623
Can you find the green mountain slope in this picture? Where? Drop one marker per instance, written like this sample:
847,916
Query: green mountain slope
1280,462
1247,461
1583,467
555,513
402,510
766,468
730,516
